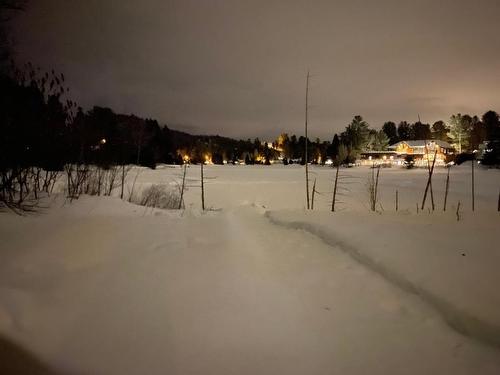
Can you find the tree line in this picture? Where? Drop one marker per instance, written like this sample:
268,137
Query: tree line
38,126
466,133
41,127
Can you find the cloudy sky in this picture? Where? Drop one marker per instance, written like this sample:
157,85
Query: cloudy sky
238,68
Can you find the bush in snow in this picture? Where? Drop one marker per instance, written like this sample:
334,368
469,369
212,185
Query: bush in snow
158,196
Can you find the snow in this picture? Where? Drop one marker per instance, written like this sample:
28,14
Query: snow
280,187
258,284
433,256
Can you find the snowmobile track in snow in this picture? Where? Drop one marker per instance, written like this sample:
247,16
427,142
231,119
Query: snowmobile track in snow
459,320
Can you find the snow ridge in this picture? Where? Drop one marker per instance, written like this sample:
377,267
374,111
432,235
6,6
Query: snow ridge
458,319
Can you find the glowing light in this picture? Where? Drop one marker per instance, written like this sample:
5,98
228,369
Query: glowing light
102,141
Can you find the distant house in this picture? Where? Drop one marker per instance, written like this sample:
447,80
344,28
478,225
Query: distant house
423,151
384,158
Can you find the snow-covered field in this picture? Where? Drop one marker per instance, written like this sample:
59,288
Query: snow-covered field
257,284
279,187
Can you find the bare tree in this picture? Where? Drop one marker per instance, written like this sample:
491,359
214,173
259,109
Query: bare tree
305,155
313,193
429,181
376,185
77,177
183,186
335,186
429,171
125,170
373,187
131,191
49,180
498,204
111,182
446,189
19,190
202,189
472,179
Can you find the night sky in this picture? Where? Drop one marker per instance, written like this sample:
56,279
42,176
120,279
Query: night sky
238,68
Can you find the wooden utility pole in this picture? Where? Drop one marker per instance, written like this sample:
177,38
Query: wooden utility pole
397,200
305,157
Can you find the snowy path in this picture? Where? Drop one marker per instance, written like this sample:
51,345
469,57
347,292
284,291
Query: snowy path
466,295
221,293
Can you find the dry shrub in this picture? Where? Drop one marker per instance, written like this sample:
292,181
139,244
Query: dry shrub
91,180
159,196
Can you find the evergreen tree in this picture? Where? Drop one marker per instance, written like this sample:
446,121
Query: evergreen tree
267,154
294,147
391,132
491,123
381,141
492,153
404,131
440,131
378,140
283,142
356,134
477,133
333,149
343,154
420,131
